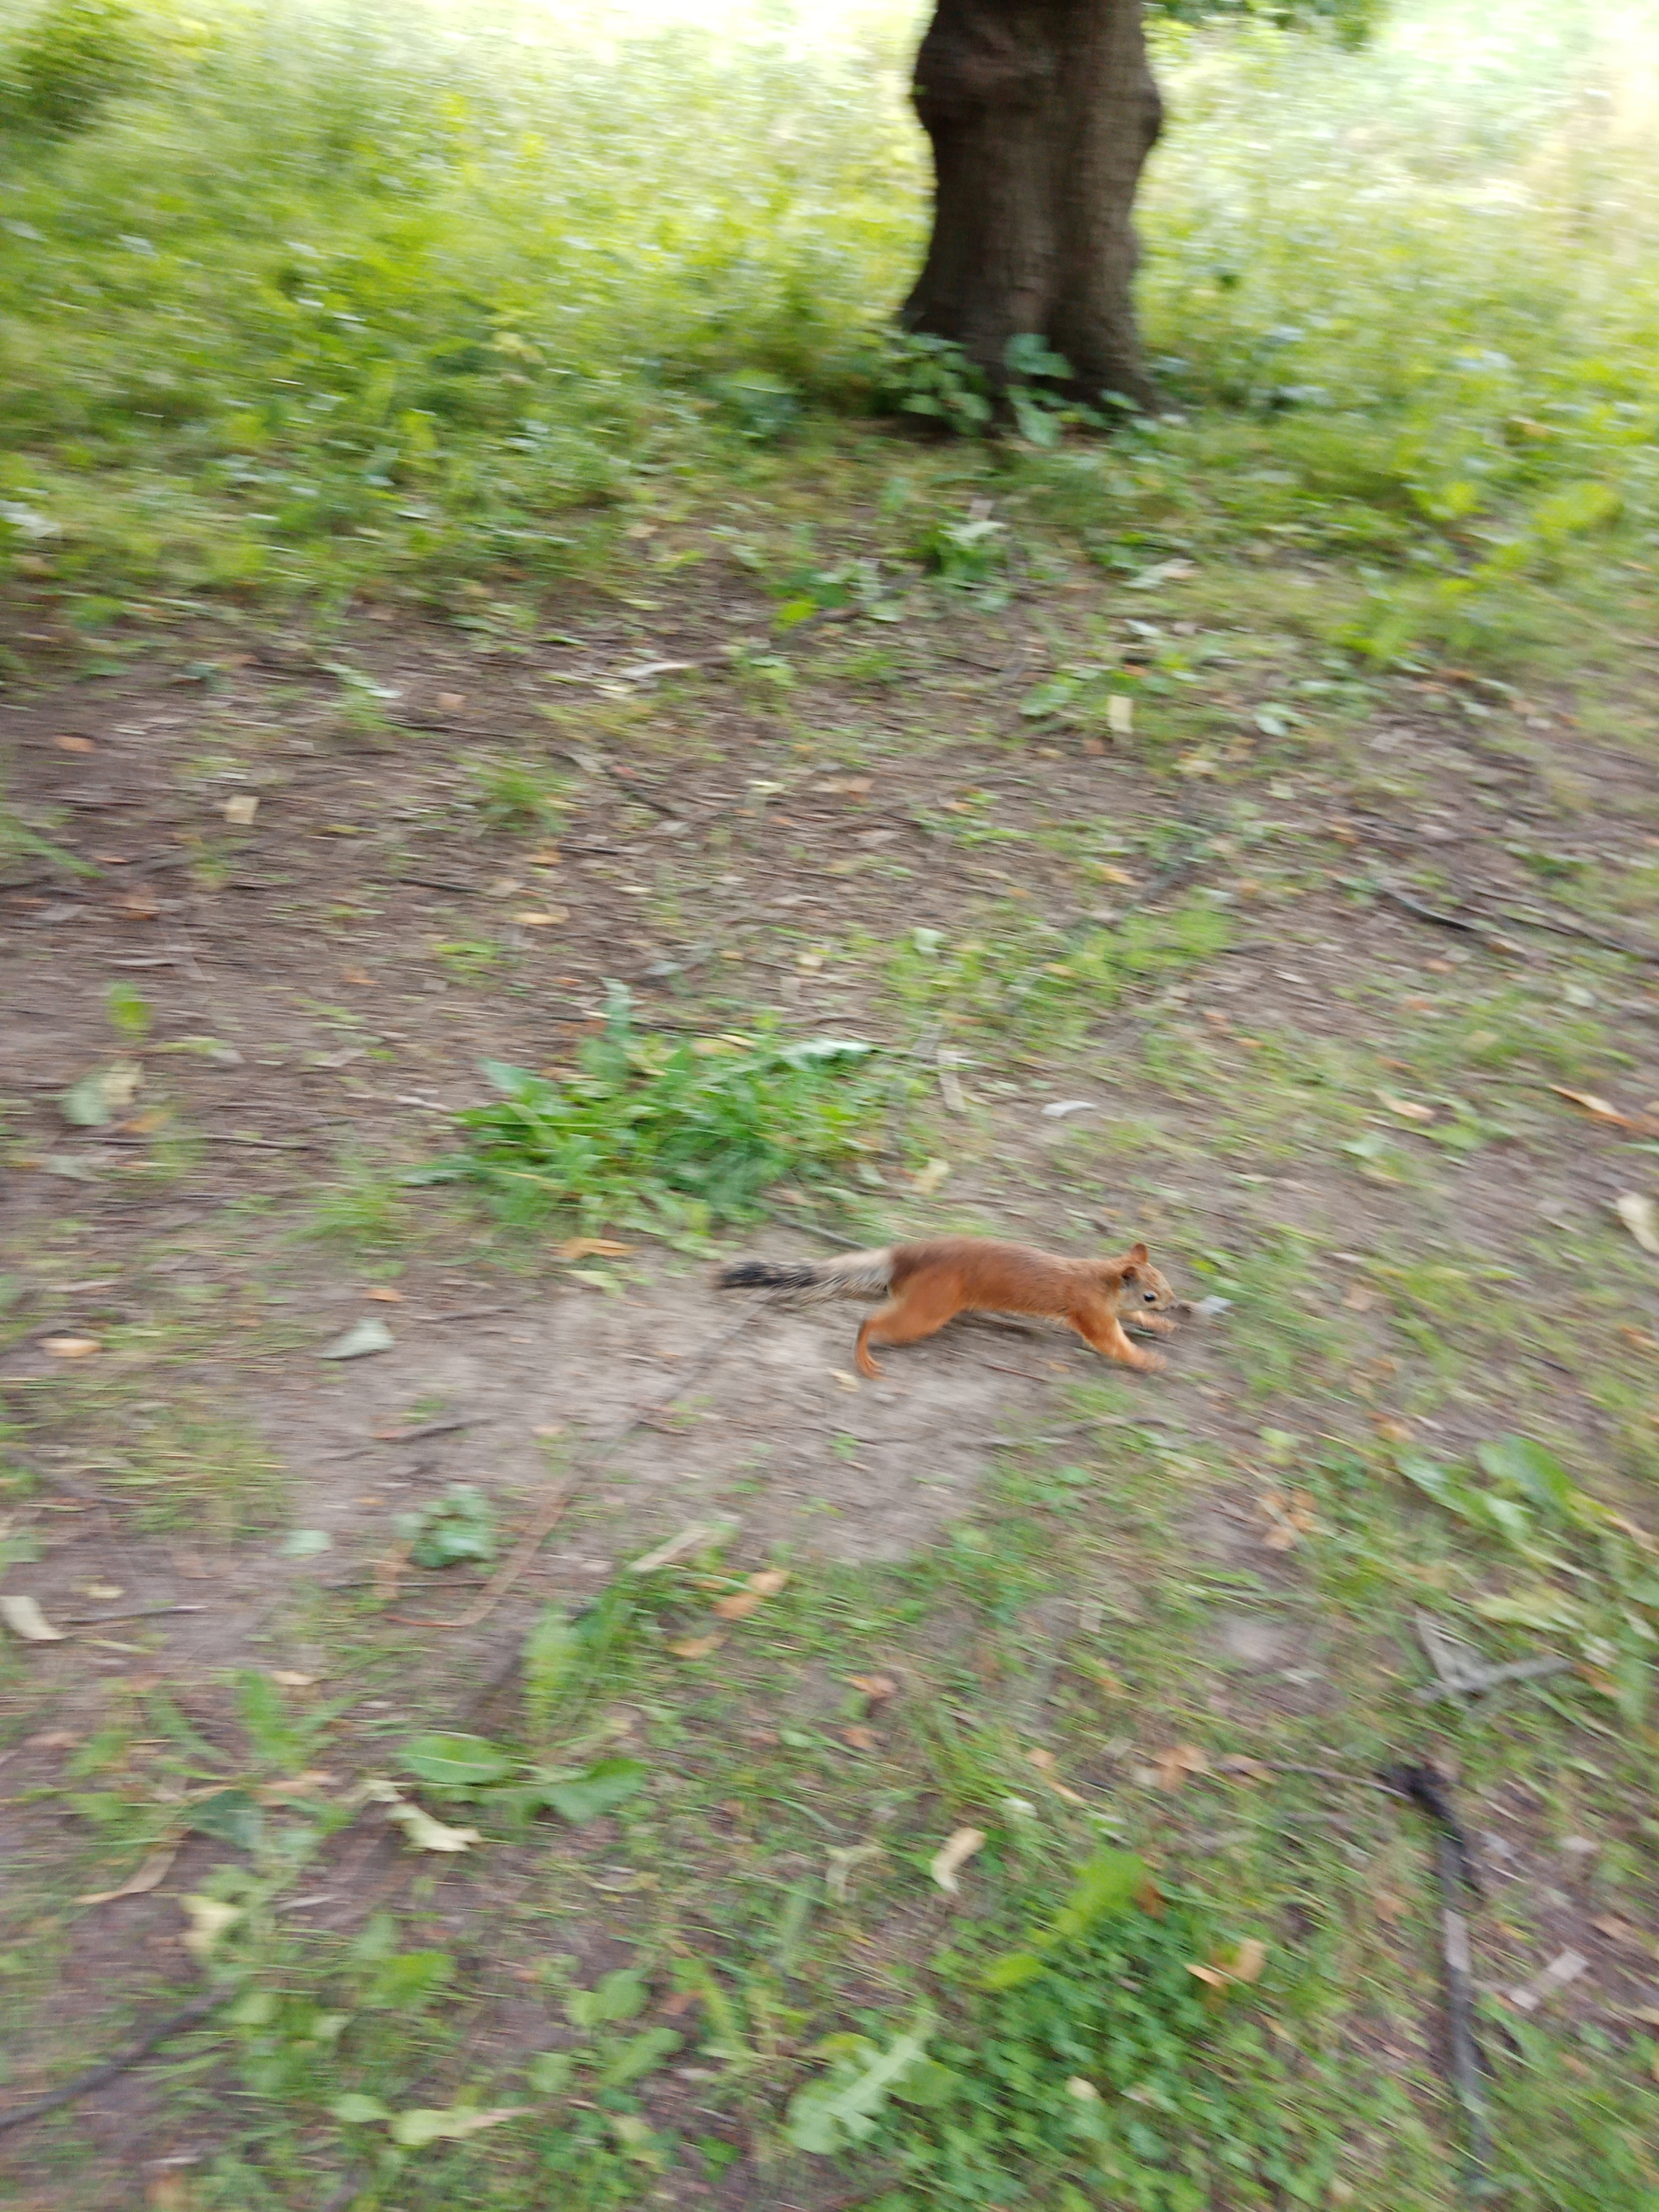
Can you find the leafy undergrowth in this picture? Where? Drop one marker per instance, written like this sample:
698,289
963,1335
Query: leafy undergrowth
676,1137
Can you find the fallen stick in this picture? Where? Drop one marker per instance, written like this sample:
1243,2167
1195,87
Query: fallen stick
1455,1868
1470,927
189,2015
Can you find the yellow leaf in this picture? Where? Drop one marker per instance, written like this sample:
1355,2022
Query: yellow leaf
593,1248
1407,1109
770,1581
1638,1214
954,1854
1210,1975
1249,1959
23,1616
697,1647
1181,1759
209,1919
739,1606
927,1180
147,1877
70,1347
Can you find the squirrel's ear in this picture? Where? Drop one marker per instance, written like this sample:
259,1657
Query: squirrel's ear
1139,1254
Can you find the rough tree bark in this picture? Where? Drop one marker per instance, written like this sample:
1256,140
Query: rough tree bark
1042,113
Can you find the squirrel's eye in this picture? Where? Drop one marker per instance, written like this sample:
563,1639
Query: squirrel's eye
1151,1296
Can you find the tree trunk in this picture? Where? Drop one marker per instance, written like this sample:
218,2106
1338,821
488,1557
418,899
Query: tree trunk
1042,113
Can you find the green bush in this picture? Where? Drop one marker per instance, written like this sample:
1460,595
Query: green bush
64,64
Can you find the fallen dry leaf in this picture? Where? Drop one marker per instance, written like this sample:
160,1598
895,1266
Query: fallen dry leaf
692,1538
1359,1299
1249,1959
70,1347
874,1686
861,1739
385,1295
593,1248
1108,874
1407,1109
1175,1765
52,1740
954,1854
23,1616
743,1602
209,1919
291,1679
429,1835
1566,1967
1042,1758
1235,1762
1622,1931
1389,1906
847,1382
1641,1217
241,811
1119,715
149,1876
697,1647
549,919
926,1181
1211,1976
1602,1109
72,744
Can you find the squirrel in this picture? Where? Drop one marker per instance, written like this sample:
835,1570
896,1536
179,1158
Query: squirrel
927,1285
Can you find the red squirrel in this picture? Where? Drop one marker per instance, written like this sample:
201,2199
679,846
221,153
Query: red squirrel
927,1285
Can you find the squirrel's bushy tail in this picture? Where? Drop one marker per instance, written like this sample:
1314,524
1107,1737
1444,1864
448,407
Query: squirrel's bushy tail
853,1275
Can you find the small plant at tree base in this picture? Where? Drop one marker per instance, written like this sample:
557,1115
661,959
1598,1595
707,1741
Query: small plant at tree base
918,374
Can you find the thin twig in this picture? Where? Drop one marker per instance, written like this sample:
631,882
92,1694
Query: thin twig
462,1313
1454,1871
138,1613
417,1435
1469,927
190,2015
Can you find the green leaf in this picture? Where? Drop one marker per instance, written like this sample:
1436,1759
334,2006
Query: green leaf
640,2055
407,1980
356,2111
1509,1516
604,1786
929,2085
1109,1883
413,2129
619,1995
547,1662
229,1816
457,1762
1438,1483
1011,1970
550,2071
1523,1463
832,2115
1544,1610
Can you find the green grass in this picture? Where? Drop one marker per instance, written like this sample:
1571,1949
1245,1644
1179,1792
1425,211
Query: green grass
320,302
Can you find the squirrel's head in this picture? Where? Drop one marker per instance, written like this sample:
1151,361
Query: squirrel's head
1141,1288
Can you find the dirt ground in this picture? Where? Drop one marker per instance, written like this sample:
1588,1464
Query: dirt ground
324,970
